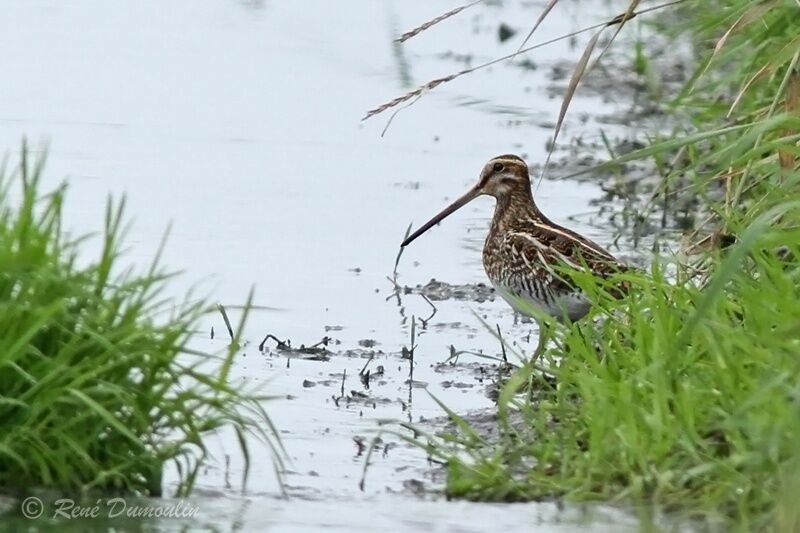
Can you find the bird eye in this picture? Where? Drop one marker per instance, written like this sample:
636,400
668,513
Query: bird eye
498,167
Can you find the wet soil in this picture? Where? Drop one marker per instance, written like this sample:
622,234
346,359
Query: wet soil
636,201
438,291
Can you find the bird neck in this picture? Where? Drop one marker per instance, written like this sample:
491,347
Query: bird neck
515,206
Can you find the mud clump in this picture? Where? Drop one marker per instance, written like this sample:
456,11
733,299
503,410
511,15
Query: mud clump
438,291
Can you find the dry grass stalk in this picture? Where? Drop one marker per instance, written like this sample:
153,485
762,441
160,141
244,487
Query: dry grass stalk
577,75
619,19
550,5
411,94
422,27
582,68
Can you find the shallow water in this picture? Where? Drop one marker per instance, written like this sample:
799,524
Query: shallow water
239,124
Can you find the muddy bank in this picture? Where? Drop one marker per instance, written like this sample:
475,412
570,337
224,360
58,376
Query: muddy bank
637,202
438,291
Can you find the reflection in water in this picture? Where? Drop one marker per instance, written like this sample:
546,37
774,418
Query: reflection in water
253,4
398,50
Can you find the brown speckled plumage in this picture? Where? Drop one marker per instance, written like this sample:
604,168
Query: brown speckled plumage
525,253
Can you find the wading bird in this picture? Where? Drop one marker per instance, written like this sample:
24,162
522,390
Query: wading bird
526,256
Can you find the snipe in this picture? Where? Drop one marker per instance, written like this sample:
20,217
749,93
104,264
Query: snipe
527,256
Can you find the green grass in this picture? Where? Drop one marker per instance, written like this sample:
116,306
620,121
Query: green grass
684,396
99,389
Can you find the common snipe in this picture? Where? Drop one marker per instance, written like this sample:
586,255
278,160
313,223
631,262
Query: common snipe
526,256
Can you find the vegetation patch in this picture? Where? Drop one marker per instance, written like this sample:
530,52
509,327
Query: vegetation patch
99,388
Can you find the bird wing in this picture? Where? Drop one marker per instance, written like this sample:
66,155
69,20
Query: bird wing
546,251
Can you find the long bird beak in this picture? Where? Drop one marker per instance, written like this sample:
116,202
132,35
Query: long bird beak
449,210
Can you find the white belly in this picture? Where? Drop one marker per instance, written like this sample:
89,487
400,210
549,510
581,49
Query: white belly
573,305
